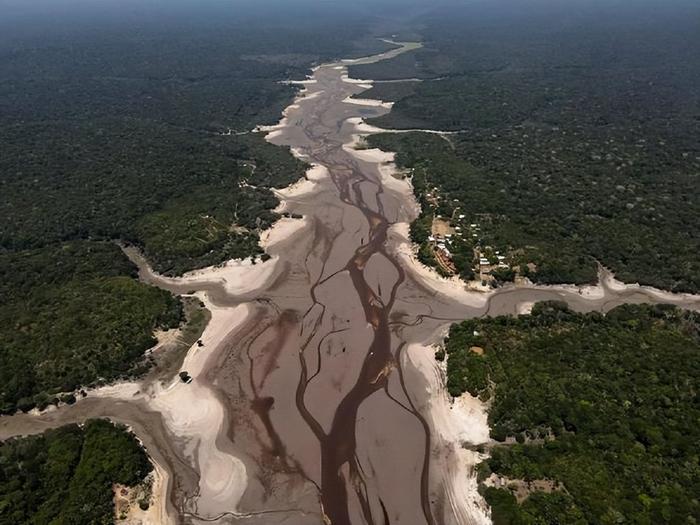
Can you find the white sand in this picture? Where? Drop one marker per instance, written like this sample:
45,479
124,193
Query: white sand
345,78
402,186
236,276
608,283
273,130
306,97
307,82
297,189
223,321
298,153
281,231
384,159
387,170
607,280
463,421
117,391
274,133
525,308
367,129
157,513
192,411
362,128
368,102
194,414
591,292
374,155
303,187
317,173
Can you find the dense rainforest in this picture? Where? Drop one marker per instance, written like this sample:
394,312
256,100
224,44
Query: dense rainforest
66,475
604,409
73,315
142,132
132,122
575,137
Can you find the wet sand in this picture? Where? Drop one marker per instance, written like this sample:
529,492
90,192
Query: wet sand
316,397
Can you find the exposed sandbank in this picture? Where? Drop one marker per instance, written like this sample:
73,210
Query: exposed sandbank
368,101
458,425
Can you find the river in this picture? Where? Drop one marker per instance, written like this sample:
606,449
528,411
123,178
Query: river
314,399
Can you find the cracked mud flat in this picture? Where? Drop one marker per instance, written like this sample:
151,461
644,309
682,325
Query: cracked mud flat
316,398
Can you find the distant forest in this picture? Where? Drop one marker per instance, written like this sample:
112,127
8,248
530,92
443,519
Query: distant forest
123,133
578,132
603,409
133,123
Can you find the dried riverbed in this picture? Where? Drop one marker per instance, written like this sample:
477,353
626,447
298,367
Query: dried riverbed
316,397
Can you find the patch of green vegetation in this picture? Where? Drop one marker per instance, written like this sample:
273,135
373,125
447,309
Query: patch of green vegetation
197,320
71,317
168,362
66,475
539,508
605,404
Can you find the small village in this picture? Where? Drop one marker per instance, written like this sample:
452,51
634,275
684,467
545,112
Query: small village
453,236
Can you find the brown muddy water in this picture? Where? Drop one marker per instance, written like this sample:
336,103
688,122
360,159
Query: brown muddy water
310,411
